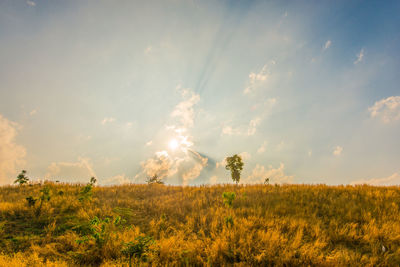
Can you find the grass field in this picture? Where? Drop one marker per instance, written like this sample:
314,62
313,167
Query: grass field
266,225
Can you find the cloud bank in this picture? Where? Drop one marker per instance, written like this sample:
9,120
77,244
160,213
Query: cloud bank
393,179
12,155
387,109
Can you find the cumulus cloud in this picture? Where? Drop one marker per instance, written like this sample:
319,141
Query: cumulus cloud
116,180
327,45
249,130
149,143
360,56
107,120
387,109
184,111
183,168
257,79
79,171
180,163
245,156
253,126
260,173
161,165
191,169
221,163
11,154
33,112
393,179
337,151
262,148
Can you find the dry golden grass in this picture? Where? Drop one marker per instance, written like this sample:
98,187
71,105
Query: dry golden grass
286,225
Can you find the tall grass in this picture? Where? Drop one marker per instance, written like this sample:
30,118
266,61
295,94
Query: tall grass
273,225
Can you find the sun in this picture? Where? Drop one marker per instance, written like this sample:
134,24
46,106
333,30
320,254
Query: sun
173,144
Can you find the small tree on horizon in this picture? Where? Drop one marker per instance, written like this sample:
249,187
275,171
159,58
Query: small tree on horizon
22,178
235,165
155,179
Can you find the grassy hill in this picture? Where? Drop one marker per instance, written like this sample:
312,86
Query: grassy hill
266,225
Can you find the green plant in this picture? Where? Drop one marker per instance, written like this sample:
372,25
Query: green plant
87,191
140,248
235,165
44,197
99,230
228,198
22,178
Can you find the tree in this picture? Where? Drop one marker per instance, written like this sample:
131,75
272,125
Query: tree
235,165
22,178
154,180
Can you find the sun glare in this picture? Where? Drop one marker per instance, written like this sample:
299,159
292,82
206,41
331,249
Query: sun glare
173,144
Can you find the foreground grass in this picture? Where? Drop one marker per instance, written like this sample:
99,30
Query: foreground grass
272,225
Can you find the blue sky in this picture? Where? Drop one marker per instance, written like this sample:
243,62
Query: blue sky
305,91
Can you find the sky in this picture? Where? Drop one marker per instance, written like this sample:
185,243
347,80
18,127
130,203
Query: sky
305,91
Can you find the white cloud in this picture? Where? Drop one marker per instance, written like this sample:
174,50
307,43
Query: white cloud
309,153
116,180
184,167
33,112
221,163
337,151
327,45
393,179
190,169
260,173
248,130
161,165
360,56
245,156
107,120
262,148
257,79
228,130
30,3
183,164
387,109
79,171
184,111
253,126
11,154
